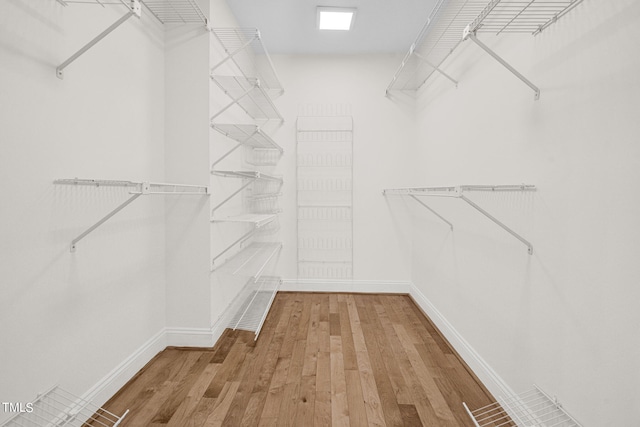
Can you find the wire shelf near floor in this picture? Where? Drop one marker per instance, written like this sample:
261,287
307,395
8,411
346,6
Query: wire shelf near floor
250,95
517,16
245,49
176,11
58,407
533,408
249,309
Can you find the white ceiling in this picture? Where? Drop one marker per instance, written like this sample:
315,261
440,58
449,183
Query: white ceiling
289,26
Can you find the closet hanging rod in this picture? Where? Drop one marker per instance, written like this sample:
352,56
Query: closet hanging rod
458,193
143,189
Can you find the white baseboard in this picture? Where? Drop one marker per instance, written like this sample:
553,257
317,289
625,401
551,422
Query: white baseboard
358,286
491,380
104,389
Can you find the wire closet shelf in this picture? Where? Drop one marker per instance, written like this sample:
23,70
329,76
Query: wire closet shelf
533,408
166,11
58,407
246,51
137,189
458,192
250,308
453,21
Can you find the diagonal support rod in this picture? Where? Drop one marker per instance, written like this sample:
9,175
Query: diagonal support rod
423,59
432,211
134,9
494,219
103,220
233,194
495,56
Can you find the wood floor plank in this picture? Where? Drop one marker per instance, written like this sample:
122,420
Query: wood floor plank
339,402
388,399
321,360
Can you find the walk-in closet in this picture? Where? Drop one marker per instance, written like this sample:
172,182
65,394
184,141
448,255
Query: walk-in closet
319,213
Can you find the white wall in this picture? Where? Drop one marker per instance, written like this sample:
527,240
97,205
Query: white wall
566,317
187,161
382,145
71,318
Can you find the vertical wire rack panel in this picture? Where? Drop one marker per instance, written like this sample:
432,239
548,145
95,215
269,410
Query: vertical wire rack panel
58,407
440,36
324,163
533,408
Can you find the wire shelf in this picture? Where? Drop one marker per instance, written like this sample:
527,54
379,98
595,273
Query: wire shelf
250,95
175,11
439,37
248,135
251,260
246,174
258,220
518,16
58,407
533,408
245,49
249,309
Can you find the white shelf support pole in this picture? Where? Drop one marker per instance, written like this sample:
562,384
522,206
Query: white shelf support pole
423,59
472,36
498,222
134,9
103,220
432,211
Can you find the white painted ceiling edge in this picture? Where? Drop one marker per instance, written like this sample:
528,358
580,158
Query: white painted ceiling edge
290,27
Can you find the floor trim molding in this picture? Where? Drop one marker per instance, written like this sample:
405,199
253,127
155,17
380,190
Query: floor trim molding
345,285
485,373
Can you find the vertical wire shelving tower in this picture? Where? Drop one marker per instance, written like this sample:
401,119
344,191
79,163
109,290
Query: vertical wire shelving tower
247,77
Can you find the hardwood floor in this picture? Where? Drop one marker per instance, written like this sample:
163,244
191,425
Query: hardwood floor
320,360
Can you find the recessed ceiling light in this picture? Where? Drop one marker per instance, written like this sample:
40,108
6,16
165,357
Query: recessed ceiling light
335,18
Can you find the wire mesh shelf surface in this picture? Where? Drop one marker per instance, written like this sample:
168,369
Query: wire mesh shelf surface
250,95
518,16
249,309
176,11
258,220
533,408
249,135
58,407
246,50
437,40
251,260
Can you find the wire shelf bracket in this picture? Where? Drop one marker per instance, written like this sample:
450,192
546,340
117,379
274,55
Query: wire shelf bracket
58,407
243,46
133,7
245,135
251,177
138,189
458,192
533,408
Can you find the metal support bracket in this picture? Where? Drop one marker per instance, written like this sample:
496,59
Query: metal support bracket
432,211
472,36
423,59
103,220
134,9
245,185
